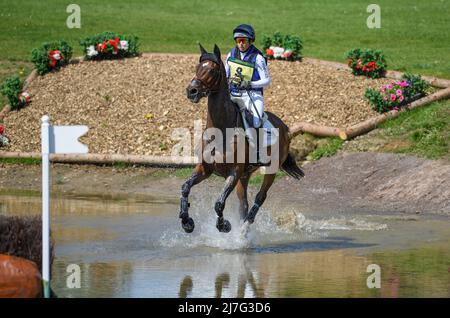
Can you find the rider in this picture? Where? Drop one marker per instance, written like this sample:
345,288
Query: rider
246,67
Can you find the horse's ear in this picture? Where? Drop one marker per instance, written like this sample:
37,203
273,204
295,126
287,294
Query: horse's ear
217,51
202,50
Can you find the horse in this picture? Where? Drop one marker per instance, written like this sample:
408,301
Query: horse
210,81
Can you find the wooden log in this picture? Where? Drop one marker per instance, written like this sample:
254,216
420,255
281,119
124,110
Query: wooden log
5,111
433,81
177,161
372,123
29,79
314,129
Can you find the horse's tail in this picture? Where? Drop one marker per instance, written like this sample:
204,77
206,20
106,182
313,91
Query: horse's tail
291,168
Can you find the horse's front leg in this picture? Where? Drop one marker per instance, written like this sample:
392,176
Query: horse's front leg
222,224
200,173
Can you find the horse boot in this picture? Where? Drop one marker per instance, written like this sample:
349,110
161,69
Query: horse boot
187,223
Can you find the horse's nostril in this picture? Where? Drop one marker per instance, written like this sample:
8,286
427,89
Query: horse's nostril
193,91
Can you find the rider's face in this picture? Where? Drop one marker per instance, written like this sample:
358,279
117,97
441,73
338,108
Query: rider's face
242,44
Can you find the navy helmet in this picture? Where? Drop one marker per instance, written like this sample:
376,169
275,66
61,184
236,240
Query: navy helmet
244,31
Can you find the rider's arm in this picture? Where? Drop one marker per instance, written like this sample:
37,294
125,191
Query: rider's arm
227,67
263,71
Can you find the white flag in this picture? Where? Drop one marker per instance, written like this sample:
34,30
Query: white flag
64,139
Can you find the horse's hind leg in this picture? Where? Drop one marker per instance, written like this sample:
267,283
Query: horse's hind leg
222,224
260,197
200,173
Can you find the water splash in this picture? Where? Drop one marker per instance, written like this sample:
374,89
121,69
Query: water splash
272,226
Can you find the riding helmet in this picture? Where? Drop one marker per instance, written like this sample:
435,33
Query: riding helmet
245,31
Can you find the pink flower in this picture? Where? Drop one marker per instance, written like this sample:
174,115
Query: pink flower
383,88
401,98
389,86
384,98
399,92
393,97
404,84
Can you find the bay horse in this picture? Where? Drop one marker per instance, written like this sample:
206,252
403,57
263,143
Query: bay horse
210,81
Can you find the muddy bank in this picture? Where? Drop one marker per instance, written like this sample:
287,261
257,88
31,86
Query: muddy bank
346,183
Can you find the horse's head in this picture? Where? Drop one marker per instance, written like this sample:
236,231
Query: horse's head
207,75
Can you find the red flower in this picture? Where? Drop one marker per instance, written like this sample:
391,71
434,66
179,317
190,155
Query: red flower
115,44
2,129
269,52
55,56
101,47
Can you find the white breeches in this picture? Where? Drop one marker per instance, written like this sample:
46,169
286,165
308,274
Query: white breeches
258,103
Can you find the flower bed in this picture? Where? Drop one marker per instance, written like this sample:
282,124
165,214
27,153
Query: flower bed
368,62
12,90
51,56
109,45
281,47
397,94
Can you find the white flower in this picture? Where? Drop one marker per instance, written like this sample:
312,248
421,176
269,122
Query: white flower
91,51
56,56
123,45
277,51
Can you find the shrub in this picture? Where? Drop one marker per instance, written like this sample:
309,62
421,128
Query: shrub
287,47
11,89
110,45
51,55
397,94
368,62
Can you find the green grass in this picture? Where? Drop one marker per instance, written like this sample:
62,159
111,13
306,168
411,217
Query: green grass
326,149
423,131
21,161
414,34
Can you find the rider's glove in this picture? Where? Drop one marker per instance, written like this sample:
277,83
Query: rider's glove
246,85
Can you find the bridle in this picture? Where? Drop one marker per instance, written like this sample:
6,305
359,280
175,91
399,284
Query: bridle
215,87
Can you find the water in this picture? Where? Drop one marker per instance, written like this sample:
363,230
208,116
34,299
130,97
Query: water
135,247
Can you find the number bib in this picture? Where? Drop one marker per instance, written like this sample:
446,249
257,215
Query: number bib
241,68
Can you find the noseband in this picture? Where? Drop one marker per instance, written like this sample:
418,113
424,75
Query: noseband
216,84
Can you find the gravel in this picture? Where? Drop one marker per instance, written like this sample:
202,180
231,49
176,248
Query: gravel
132,106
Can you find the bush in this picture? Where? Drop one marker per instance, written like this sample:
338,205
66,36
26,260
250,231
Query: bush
368,62
109,45
11,89
286,47
51,55
397,94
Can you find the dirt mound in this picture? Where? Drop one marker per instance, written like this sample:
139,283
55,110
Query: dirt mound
373,181
133,105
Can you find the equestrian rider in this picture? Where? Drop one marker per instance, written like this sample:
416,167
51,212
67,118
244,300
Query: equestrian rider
246,68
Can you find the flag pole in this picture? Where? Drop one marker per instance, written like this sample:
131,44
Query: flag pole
45,139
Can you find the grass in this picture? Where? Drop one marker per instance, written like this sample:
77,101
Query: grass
21,161
414,34
423,131
326,149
